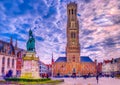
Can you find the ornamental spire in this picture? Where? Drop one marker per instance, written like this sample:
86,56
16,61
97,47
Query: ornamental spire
11,40
16,44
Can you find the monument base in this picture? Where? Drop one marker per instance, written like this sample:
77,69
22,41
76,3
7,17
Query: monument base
30,67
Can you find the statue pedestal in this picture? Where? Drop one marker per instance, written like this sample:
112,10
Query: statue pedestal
30,67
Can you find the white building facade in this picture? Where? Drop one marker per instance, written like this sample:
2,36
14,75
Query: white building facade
8,58
43,69
111,67
106,68
7,63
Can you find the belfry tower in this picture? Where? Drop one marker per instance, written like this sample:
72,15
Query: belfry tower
73,46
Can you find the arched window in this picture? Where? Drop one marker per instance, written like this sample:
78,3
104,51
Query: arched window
3,70
8,62
3,61
3,64
72,11
74,35
13,63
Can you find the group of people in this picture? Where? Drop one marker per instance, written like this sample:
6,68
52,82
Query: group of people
74,76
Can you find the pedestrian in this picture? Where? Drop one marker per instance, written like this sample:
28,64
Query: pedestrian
75,75
97,78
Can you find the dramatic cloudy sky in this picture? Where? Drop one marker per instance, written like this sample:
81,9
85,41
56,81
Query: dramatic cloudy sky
99,23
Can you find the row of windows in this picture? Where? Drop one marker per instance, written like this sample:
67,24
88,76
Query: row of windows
8,62
72,11
43,70
43,67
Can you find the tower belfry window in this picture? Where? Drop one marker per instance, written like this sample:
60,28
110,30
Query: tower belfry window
73,35
72,11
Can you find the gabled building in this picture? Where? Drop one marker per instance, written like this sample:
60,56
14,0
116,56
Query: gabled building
116,65
8,57
106,67
19,61
110,67
62,67
73,63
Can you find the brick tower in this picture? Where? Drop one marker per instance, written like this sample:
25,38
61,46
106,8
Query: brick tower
73,46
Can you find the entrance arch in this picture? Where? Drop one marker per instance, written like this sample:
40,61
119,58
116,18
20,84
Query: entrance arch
74,72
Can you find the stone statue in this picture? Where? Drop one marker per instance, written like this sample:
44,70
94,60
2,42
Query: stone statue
31,42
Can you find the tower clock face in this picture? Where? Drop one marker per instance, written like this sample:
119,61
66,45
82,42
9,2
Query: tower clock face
73,43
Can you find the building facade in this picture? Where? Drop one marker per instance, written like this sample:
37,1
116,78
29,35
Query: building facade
8,58
19,61
43,69
99,68
107,67
110,67
117,60
73,63
49,69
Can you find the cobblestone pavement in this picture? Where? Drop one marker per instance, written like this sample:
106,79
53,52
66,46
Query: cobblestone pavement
90,81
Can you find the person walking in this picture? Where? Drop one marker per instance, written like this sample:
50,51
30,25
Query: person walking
97,78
